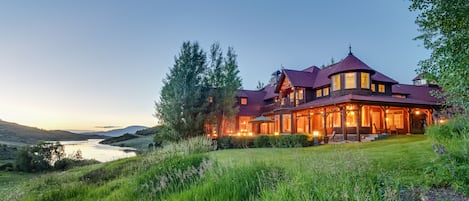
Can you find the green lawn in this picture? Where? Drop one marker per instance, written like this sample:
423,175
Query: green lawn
354,171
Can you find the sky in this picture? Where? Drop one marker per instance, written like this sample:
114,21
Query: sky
96,65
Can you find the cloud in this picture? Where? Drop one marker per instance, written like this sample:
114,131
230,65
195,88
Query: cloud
106,126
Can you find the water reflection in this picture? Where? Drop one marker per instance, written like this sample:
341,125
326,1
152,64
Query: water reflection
91,149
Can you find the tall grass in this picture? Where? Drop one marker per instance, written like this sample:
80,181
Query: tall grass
451,143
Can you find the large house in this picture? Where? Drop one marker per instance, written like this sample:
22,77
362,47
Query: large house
347,98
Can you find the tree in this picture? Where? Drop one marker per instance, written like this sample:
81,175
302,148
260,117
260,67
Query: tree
183,98
260,85
224,83
445,31
39,157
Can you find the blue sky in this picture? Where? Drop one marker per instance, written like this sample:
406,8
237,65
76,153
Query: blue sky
86,64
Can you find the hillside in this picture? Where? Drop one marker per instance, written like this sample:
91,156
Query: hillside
356,171
16,134
118,132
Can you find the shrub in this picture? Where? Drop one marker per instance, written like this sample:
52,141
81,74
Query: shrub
273,141
261,141
293,141
7,166
67,163
224,143
451,142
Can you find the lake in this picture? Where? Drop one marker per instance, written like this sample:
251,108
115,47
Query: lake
91,149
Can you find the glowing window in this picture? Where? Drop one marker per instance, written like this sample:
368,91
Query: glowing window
373,87
350,80
365,79
286,123
244,101
381,88
299,94
335,82
325,91
318,93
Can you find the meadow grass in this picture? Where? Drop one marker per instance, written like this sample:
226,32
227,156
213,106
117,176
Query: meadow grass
379,170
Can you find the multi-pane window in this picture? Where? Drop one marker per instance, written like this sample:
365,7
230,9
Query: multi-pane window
325,91
373,87
335,82
318,93
299,94
350,80
365,80
244,101
286,123
365,116
381,88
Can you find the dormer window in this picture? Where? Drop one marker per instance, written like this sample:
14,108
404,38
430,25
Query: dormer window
381,88
365,80
244,101
335,82
373,87
318,92
325,91
350,80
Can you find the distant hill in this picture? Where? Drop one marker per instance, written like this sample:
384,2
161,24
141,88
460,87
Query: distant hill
12,133
118,132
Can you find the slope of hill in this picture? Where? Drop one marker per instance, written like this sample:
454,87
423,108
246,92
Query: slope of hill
16,134
354,171
118,132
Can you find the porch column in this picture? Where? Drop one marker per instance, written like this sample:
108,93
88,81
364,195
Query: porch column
280,123
324,117
409,119
359,121
309,121
343,119
385,117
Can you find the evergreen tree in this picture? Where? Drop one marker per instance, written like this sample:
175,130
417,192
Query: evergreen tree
224,83
183,98
445,30
260,85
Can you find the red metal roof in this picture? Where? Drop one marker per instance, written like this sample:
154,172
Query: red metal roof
416,92
255,102
379,100
351,63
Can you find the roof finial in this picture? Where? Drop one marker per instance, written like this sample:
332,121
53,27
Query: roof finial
350,49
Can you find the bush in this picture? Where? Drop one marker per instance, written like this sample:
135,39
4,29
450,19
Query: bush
262,141
293,141
67,163
7,166
224,143
451,142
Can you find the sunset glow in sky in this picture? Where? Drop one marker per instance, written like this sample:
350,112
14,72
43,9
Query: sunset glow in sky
83,65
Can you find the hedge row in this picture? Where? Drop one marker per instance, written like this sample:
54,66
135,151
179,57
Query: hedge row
260,141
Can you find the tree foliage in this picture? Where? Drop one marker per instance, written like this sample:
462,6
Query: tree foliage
224,83
183,97
39,157
445,31
196,92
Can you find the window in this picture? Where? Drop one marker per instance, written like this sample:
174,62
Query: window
292,97
210,99
244,101
395,118
351,120
365,79
244,125
299,94
373,87
286,123
336,82
350,80
366,116
277,123
336,119
325,91
381,88
318,93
